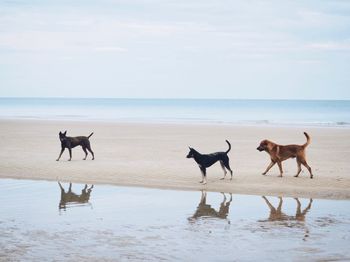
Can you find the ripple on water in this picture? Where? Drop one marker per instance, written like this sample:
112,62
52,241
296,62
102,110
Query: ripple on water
40,219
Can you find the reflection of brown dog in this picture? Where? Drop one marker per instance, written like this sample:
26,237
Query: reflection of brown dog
279,153
276,214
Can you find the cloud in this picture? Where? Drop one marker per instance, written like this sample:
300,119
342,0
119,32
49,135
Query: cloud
111,49
179,42
331,46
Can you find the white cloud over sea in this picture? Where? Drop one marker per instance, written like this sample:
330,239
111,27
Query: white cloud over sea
209,49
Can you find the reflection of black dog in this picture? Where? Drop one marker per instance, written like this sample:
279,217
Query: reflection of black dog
208,160
71,142
205,210
70,197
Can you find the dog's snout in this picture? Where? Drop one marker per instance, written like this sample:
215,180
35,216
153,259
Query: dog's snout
259,148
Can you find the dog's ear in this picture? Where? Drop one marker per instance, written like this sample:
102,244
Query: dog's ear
65,132
190,148
60,133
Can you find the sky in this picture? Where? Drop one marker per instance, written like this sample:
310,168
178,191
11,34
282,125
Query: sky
238,49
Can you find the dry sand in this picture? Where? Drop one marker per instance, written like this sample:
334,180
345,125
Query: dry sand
153,155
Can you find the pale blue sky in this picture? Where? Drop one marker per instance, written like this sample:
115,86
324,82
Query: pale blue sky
175,48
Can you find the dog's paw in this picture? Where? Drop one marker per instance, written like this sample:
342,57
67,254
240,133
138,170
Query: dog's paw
264,174
57,159
222,178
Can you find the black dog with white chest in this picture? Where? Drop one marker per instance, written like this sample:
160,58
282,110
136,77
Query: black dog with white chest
71,142
206,160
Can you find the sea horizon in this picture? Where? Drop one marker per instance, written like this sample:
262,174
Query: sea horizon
169,98
181,110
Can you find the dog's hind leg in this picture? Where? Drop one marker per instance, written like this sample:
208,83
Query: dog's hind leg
224,198
299,168
92,153
86,153
227,165
269,167
223,168
303,161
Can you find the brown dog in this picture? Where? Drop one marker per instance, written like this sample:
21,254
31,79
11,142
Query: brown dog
279,153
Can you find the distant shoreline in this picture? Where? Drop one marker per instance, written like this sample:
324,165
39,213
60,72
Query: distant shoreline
182,122
184,111
169,99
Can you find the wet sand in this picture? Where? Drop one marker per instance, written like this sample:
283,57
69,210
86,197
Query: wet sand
153,155
109,223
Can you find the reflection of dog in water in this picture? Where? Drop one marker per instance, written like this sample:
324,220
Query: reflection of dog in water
276,214
70,197
205,210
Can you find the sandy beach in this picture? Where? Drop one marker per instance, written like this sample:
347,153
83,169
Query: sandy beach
153,155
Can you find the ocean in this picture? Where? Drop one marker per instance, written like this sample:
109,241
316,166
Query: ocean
228,111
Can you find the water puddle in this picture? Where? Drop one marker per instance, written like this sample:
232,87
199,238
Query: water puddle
42,220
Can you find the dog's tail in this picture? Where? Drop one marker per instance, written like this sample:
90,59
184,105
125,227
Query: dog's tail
229,147
308,140
91,134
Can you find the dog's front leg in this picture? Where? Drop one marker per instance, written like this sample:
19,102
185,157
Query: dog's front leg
280,167
61,187
60,154
204,172
269,167
70,154
204,179
203,197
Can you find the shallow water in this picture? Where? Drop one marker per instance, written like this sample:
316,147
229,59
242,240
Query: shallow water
230,111
39,222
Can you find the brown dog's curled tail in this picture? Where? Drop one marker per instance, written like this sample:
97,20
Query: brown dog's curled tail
90,135
229,146
308,140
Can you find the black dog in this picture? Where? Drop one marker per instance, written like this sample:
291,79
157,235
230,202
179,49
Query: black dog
71,142
205,161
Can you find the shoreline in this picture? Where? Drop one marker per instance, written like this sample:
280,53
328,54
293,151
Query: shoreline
153,155
257,123
342,194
